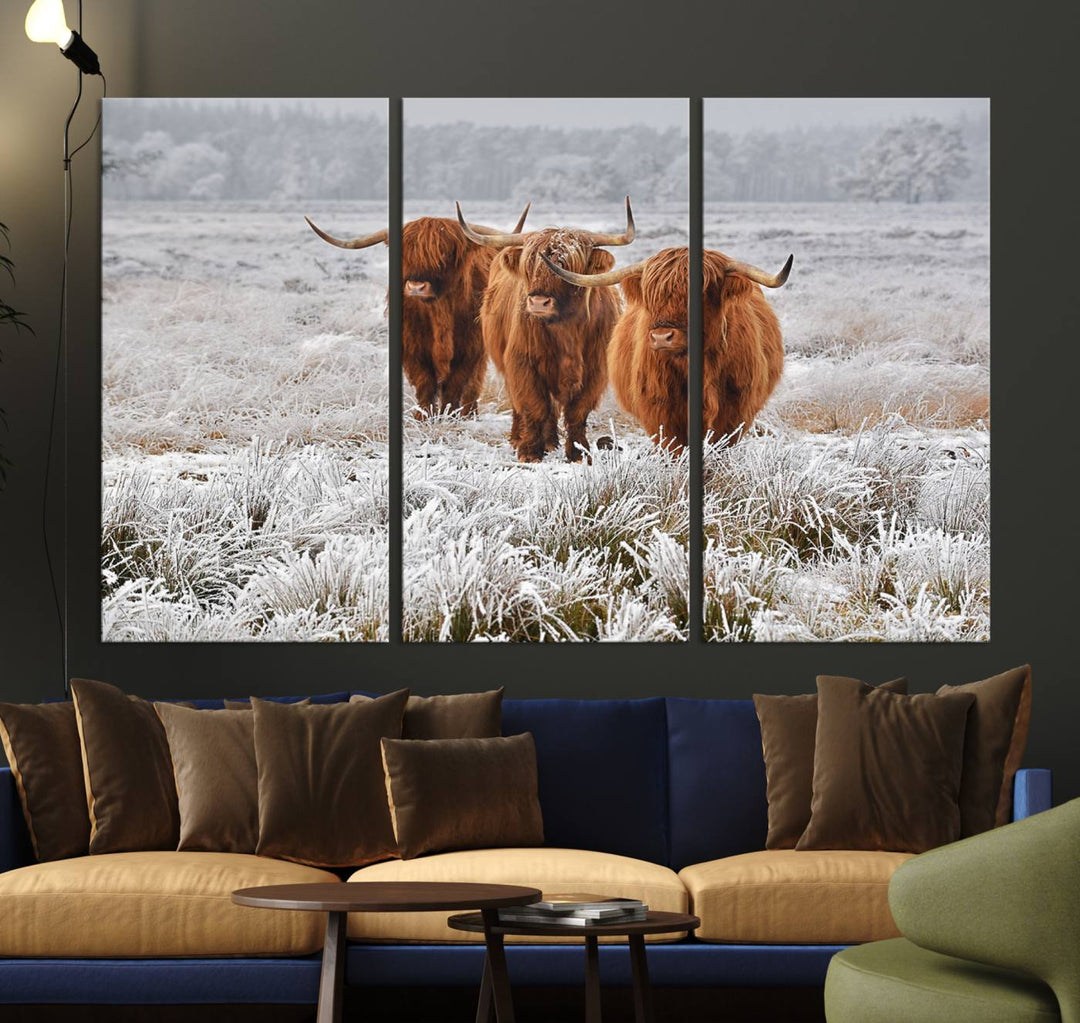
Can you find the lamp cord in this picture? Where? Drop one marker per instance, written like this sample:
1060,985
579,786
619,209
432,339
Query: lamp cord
61,352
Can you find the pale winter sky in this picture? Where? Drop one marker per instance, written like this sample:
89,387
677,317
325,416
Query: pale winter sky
736,116
327,107
554,113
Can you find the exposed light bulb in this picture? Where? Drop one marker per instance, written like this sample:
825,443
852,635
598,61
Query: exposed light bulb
45,23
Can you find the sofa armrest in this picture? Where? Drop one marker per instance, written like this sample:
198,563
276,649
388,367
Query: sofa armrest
15,848
1032,792
1008,898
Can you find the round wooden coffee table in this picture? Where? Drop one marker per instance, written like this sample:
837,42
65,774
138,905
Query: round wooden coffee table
339,900
495,978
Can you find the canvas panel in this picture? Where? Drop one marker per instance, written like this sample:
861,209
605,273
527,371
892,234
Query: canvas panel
541,502
244,401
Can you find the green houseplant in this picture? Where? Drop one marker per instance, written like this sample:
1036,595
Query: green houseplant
9,316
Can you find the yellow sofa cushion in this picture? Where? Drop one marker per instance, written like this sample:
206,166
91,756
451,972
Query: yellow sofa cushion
153,904
550,870
790,897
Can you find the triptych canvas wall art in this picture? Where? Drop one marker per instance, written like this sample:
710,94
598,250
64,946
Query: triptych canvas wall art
545,450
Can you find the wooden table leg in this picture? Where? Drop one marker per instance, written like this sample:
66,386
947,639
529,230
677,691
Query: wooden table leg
592,980
643,1010
496,960
485,1005
331,982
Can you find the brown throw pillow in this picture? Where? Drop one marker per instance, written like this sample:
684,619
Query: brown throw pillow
127,770
322,797
994,746
458,716
217,780
463,793
42,746
886,768
246,704
788,725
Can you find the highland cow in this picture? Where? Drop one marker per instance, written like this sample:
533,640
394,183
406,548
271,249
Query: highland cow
444,275
548,339
647,356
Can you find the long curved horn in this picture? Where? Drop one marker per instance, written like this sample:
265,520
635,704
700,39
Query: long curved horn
625,238
363,242
593,280
492,239
480,229
760,276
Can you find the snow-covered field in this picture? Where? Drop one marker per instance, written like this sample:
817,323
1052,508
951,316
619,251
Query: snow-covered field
245,492
244,412
860,507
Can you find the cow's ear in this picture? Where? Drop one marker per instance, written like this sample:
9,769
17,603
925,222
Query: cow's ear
510,259
631,286
600,261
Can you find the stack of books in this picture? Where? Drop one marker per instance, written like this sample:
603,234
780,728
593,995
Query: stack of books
575,909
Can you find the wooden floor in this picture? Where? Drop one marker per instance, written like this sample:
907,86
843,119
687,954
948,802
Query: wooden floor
457,1005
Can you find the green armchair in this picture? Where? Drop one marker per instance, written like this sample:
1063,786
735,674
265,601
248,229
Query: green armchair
991,931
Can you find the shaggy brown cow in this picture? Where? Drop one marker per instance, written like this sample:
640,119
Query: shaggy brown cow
647,357
444,274
547,339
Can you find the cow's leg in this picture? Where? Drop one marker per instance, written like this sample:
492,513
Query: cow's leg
461,390
421,375
532,426
551,431
672,429
731,419
530,445
515,429
442,357
532,407
576,415
427,396
470,398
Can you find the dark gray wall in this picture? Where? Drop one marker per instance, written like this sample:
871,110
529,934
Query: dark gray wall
678,48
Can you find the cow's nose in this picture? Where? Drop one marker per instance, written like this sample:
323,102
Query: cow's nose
418,289
668,339
540,304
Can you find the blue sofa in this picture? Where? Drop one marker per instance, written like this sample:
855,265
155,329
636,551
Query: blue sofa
669,781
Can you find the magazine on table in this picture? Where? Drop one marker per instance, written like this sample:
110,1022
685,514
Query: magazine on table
576,909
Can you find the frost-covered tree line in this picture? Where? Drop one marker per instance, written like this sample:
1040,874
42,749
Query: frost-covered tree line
221,150
917,159
471,161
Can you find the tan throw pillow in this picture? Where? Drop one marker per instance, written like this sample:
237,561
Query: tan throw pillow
994,746
217,780
42,747
458,716
788,725
463,793
886,768
322,797
127,770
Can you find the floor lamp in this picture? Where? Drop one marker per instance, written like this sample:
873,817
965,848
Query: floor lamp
46,23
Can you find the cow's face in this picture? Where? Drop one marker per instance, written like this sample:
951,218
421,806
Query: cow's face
432,251
548,297
661,288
